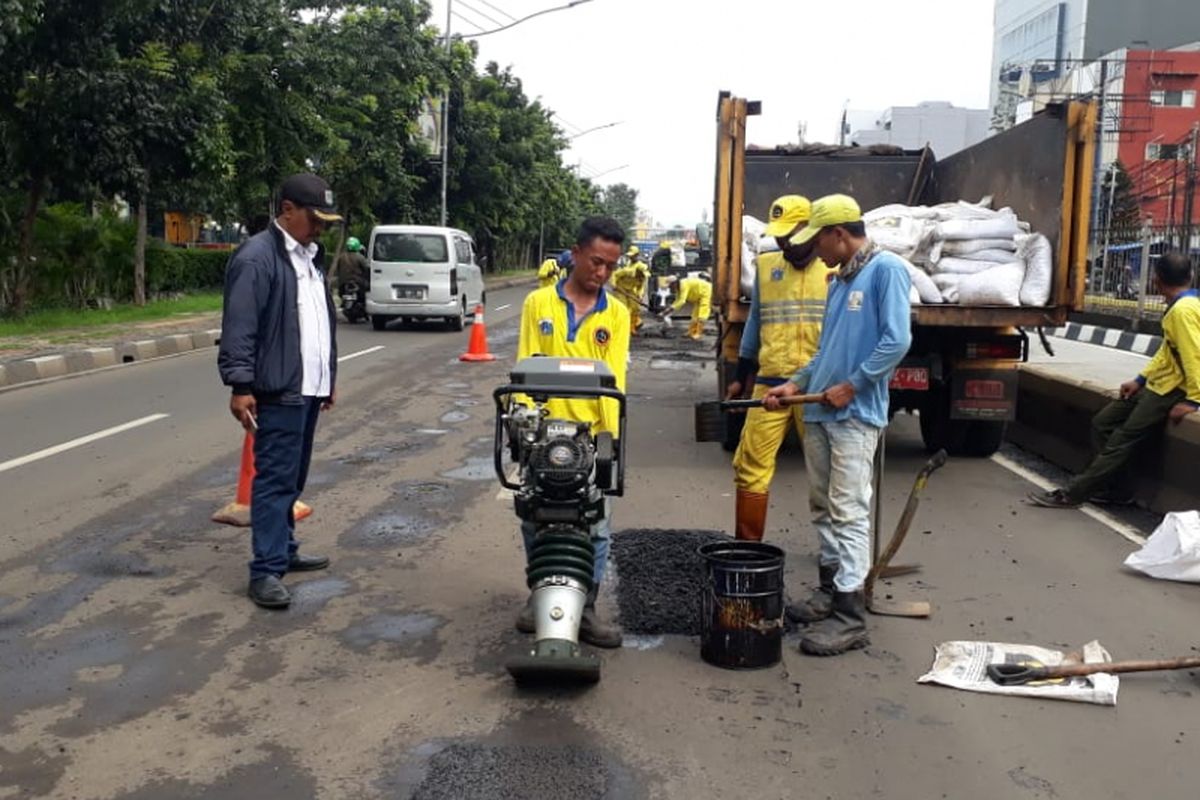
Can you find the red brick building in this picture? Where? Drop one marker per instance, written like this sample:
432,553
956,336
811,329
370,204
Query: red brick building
1159,110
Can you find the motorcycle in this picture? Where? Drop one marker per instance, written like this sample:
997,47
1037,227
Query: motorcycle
354,301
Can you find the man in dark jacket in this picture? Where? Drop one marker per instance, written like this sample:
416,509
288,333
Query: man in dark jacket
279,354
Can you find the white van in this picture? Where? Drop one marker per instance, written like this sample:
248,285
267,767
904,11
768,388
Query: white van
422,272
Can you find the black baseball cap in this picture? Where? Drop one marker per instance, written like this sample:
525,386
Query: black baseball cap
311,192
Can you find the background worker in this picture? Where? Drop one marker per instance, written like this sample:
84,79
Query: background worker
1167,389
577,318
554,270
864,336
279,354
629,283
780,336
697,291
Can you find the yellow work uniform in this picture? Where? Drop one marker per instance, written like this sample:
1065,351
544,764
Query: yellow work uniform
698,292
629,283
1176,365
549,273
789,305
549,328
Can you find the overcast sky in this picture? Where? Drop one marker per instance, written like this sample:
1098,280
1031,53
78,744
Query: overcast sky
657,65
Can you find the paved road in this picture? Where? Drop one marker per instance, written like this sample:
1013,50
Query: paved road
134,666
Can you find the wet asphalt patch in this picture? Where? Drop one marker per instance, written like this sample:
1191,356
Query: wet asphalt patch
660,579
416,511
513,772
406,635
390,529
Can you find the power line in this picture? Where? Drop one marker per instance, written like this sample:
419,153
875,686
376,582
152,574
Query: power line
475,25
479,13
499,10
514,23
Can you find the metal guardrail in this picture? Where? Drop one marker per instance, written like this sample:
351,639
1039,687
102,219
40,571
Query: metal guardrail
1117,282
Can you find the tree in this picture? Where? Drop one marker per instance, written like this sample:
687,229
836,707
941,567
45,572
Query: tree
1124,213
619,201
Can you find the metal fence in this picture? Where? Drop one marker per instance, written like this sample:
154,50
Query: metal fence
1117,280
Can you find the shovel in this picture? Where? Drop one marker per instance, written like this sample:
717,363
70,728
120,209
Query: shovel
902,608
1023,673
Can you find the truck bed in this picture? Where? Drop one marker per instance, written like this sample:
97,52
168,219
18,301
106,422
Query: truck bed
957,316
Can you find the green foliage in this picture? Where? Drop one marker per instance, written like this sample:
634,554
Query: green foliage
205,105
619,201
174,269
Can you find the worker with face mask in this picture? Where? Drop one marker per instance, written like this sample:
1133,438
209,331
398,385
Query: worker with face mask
780,336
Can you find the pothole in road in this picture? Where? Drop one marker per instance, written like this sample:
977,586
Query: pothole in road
311,596
478,468
660,579
110,565
452,417
388,530
414,631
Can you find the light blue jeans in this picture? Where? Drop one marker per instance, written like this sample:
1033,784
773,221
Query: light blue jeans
600,533
839,458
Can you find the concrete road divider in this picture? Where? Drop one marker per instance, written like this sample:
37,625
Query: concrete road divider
1054,417
91,358
36,369
26,370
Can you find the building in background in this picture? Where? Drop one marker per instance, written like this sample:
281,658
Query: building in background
1041,41
943,126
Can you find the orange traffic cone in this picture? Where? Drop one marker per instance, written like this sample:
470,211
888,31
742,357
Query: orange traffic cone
477,349
238,512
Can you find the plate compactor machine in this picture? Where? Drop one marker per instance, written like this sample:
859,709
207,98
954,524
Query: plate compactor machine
563,472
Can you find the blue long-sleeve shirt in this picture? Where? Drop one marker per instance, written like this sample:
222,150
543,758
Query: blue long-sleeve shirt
750,330
864,337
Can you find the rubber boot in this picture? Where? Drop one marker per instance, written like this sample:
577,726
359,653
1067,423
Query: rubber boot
525,621
845,629
593,630
819,605
751,515
695,329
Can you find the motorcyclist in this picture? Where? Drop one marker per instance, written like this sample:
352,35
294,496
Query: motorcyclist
352,266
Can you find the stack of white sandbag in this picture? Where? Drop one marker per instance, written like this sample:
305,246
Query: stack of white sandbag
966,253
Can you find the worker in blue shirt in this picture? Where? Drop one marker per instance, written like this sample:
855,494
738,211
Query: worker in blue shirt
864,336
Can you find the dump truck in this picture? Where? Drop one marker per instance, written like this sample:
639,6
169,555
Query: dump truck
960,375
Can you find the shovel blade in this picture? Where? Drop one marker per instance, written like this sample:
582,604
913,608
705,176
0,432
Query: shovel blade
900,608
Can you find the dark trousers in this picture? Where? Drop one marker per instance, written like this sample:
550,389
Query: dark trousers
1118,431
282,452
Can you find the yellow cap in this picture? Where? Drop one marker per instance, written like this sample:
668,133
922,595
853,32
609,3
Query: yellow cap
633,251
786,213
830,210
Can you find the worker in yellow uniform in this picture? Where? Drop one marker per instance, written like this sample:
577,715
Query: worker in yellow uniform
576,318
697,291
554,270
630,284
780,336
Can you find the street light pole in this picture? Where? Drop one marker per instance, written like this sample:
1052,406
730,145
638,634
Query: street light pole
446,119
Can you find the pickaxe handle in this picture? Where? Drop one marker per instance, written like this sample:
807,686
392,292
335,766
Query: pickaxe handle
1019,674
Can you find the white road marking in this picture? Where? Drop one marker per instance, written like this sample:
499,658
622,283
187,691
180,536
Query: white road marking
80,442
501,308
1103,517
368,351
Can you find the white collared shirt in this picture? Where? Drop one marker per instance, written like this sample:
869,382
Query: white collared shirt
313,311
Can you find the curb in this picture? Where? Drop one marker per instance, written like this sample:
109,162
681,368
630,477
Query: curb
508,283
1141,343
29,370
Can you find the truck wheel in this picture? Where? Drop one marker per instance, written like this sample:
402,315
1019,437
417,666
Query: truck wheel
983,438
938,431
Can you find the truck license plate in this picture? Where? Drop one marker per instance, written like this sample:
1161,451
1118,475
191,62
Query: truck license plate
914,378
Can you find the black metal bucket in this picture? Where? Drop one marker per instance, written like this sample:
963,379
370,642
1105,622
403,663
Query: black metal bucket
742,623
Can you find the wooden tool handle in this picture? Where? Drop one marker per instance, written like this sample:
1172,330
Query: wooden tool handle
1017,674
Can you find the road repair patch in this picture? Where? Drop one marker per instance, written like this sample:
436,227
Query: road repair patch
486,772
660,579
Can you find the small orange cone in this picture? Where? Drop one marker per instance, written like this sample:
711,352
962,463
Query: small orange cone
237,513
477,349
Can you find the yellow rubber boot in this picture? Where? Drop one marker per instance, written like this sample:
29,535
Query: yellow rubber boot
751,520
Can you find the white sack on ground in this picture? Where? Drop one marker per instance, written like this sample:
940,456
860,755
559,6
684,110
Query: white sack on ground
947,284
1173,551
1039,269
963,665
927,290
998,286
967,266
